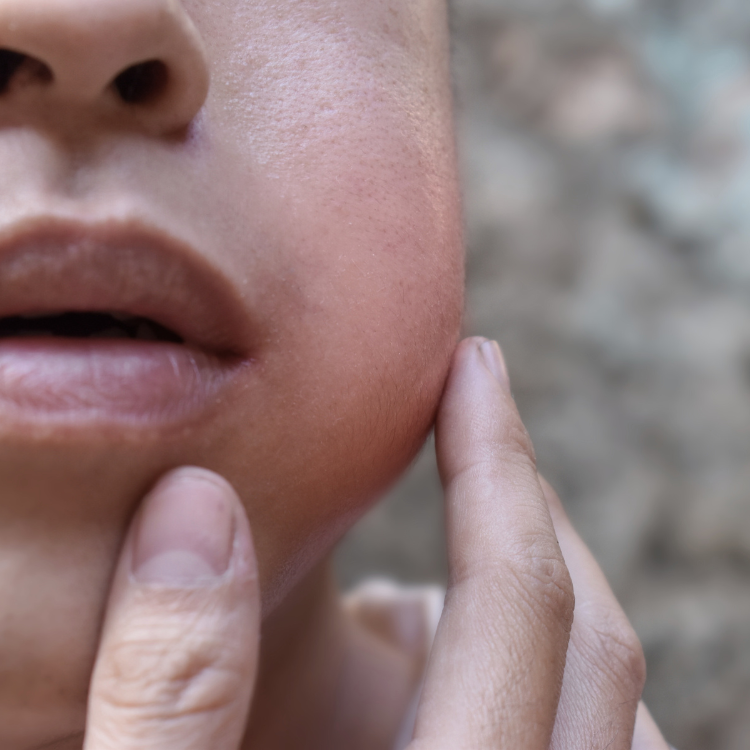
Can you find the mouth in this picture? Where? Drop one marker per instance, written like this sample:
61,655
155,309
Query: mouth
113,323
87,325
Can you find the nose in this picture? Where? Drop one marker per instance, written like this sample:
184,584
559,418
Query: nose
137,60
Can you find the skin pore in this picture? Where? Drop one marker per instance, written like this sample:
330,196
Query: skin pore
296,179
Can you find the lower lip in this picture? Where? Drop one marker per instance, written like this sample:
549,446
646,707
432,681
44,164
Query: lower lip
53,379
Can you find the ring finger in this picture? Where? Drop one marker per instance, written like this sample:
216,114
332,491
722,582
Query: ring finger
605,668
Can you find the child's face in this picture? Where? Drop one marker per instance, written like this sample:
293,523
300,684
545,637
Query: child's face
306,222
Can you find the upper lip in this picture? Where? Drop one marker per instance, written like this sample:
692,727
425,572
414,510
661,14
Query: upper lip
56,266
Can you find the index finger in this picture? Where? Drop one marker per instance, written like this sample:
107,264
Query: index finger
497,664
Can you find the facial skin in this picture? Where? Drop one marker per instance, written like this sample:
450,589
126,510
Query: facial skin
299,163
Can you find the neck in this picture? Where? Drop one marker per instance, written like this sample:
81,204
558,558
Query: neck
324,681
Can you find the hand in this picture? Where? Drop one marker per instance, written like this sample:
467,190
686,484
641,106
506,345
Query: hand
516,664
186,586
506,671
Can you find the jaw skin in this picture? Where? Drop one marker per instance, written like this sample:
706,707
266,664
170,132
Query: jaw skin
318,181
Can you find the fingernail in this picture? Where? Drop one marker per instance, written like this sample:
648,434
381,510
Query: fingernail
185,534
493,358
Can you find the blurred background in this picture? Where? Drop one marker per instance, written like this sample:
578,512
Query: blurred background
606,161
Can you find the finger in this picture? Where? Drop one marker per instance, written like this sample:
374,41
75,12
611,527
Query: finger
178,653
605,669
497,664
647,735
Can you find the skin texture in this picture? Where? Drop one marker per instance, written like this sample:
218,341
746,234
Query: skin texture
315,175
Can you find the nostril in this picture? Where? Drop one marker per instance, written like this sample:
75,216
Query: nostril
142,83
17,65
140,60
10,62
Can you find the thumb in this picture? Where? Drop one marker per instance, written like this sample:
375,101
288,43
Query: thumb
179,648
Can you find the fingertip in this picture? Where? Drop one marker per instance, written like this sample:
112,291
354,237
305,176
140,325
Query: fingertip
244,561
192,529
478,414
483,357
187,475
495,362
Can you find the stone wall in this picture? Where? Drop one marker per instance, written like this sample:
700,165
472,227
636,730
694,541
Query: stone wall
606,153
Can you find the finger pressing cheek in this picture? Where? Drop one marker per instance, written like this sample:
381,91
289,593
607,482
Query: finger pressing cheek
497,664
606,670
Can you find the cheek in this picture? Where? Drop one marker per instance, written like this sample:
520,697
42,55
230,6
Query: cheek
337,159
343,392
362,298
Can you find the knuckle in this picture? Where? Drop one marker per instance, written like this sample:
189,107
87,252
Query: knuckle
529,576
545,587
615,650
171,675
